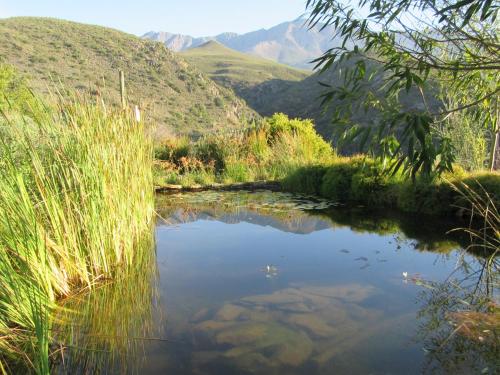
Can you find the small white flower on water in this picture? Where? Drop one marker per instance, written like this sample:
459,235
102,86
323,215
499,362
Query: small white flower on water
270,271
405,275
270,268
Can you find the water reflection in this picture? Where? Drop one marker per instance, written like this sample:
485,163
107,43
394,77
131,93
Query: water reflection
305,214
339,303
106,331
272,283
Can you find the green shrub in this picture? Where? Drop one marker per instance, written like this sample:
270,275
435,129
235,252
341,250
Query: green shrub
337,181
173,150
237,171
213,150
280,124
219,102
307,180
424,196
373,186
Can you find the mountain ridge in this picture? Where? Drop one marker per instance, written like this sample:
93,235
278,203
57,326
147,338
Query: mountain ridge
291,43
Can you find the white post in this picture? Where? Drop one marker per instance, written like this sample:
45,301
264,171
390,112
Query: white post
137,113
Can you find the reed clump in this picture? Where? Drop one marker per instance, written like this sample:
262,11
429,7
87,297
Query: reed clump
76,199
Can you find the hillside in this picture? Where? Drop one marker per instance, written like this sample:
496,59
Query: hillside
256,80
269,87
303,99
178,97
291,43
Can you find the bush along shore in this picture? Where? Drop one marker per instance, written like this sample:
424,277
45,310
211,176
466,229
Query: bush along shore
76,207
290,152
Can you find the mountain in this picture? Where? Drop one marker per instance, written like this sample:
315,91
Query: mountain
269,87
258,81
177,96
291,43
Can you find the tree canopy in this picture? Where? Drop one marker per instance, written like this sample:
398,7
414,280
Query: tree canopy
446,49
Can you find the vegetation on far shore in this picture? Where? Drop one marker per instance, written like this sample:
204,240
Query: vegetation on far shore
290,151
270,150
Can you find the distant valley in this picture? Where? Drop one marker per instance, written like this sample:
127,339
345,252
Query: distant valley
266,86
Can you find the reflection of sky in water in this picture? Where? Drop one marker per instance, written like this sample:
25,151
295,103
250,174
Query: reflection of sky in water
337,305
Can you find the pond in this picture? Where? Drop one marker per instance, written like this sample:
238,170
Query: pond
274,283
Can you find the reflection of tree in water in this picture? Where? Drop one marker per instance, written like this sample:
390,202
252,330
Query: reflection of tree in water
460,320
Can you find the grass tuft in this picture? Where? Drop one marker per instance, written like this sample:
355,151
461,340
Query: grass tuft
76,199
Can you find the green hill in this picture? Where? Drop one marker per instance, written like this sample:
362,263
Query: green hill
303,99
178,97
269,87
254,79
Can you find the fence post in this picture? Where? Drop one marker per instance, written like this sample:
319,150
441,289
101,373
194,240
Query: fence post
137,113
122,89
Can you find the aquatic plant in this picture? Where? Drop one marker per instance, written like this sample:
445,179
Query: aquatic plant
76,199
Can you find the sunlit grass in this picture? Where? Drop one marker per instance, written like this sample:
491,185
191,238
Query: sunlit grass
76,199
271,150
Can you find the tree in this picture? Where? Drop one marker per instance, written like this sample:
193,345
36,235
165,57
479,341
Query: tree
440,48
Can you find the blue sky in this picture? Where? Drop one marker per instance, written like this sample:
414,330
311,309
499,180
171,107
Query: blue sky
194,17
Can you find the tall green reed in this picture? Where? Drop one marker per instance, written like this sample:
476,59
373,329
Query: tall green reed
76,199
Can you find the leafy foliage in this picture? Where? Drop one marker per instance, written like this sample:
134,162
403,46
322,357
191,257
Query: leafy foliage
445,46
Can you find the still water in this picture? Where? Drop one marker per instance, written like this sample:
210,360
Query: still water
273,283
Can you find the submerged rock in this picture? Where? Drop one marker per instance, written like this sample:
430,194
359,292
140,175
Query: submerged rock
273,331
231,312
312,324
275,342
